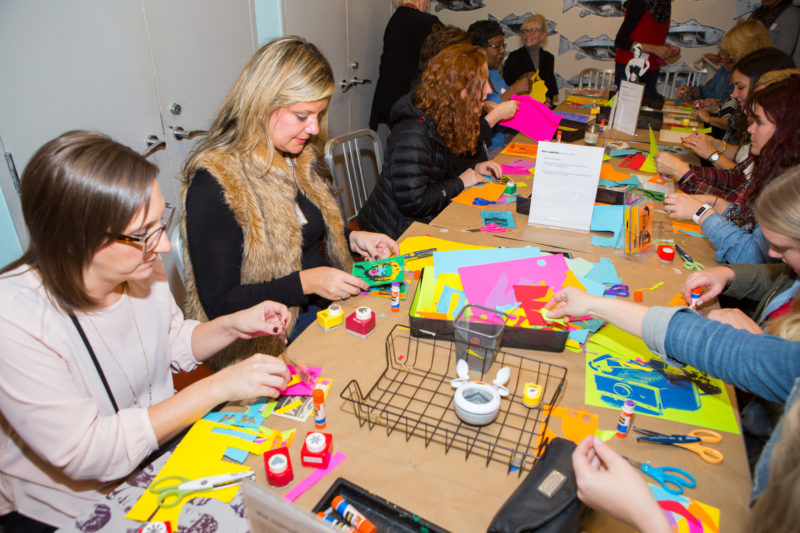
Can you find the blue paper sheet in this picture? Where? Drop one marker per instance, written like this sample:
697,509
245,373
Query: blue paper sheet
449,262
504,219
604,272
235,454
575,117
633,180
578,335
446,299
608,218
692,233
624,152
592,286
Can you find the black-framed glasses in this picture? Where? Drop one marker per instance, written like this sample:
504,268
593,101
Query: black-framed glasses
498,47
149,241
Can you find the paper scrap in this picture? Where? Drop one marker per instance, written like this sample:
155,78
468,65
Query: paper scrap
484,191
314,477
533,118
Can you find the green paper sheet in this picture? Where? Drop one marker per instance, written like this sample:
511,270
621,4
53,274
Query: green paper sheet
649,164
629,370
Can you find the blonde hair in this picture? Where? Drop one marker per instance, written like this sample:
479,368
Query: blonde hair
778,209
285,71
774,76
745,37
778,507
540,22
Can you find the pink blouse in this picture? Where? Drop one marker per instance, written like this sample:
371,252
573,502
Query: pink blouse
60,439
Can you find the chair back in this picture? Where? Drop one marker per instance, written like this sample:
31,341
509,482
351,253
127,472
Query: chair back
346,157
682,76
596,79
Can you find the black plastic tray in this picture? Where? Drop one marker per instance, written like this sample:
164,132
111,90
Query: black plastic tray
386,516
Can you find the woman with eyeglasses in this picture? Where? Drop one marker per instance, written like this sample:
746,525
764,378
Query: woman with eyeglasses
531,57
91,335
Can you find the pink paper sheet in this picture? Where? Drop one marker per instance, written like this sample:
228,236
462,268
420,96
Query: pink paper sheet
492,285
534,119
518,166
301,389
314,477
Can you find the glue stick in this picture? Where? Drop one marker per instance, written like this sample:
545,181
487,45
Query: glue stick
319,408
696,293
625,419
337,524
352,515
395,297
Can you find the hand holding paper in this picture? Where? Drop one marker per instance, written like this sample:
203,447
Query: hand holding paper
534,119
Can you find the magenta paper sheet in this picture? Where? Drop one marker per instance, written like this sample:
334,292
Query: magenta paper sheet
534,119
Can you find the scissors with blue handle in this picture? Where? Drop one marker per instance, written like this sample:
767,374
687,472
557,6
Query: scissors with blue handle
172,489
693,441
617,290
671,478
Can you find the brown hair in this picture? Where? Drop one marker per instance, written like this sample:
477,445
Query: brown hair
438,39
452,70
79,192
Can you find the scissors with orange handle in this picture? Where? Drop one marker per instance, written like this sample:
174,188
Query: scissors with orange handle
693,441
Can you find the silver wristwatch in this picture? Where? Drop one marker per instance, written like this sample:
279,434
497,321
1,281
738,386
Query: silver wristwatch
714,157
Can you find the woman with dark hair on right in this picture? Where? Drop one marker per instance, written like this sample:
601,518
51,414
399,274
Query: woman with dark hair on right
433,151
774,147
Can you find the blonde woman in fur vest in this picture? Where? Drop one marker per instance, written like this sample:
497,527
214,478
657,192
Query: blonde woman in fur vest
260,220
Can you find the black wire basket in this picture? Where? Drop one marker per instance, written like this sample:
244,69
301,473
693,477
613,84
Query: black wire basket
413,395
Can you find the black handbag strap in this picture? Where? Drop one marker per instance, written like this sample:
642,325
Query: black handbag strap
95,361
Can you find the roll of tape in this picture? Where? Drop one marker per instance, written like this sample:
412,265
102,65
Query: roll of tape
665,253
363,313
334,310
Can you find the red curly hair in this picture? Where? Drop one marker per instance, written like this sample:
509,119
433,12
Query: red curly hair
780,103
457,120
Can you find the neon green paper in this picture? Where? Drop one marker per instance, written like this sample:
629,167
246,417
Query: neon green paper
689,130
715,412
649,164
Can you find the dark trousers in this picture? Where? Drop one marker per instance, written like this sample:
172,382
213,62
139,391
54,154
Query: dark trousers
17,523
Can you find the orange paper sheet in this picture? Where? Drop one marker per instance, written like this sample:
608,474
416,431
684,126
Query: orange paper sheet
522,149
608,172
685,226
489,191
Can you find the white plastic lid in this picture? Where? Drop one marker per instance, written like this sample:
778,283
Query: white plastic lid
278,463
334,310
363,313
315,442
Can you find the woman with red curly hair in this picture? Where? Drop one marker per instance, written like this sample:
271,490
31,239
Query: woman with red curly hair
432,152
774,114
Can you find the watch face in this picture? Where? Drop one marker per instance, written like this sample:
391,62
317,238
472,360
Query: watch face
714,157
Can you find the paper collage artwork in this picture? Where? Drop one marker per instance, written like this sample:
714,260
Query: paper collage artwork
381,272
620,367
686,514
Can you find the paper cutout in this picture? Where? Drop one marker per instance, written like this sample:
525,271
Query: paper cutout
533,118
301,389
574,425
608,172
623,152
649,164
538,88
484,191
521,149
608,218
504,219
574,117
604,272
686,514
687,228
678,301
380,272
314,477
446,304
198,455
450,262
518,166
634,161
625,369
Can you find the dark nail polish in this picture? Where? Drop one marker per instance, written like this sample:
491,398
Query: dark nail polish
275,329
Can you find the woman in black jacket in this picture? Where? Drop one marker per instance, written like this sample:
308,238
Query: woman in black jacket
531,57
432,152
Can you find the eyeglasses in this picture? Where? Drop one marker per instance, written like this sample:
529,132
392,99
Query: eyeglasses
498,47
529,31
149,241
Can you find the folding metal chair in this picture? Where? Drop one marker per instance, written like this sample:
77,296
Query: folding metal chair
345,156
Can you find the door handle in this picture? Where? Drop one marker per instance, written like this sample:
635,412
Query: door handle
356,81
346,85
180,133
154,144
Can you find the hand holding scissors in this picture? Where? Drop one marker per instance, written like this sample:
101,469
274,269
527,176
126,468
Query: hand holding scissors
671,478
693,442
172,489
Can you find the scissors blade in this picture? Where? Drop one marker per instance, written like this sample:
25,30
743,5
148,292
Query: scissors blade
217,482
669,439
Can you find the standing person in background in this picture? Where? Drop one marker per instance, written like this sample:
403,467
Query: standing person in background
646,23
530,57
782,19
402,42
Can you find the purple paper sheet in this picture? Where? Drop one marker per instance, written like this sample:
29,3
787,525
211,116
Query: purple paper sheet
534,119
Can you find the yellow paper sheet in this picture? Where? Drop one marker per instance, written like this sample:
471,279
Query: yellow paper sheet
425,242
486,191
538,88
708,408
199,455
